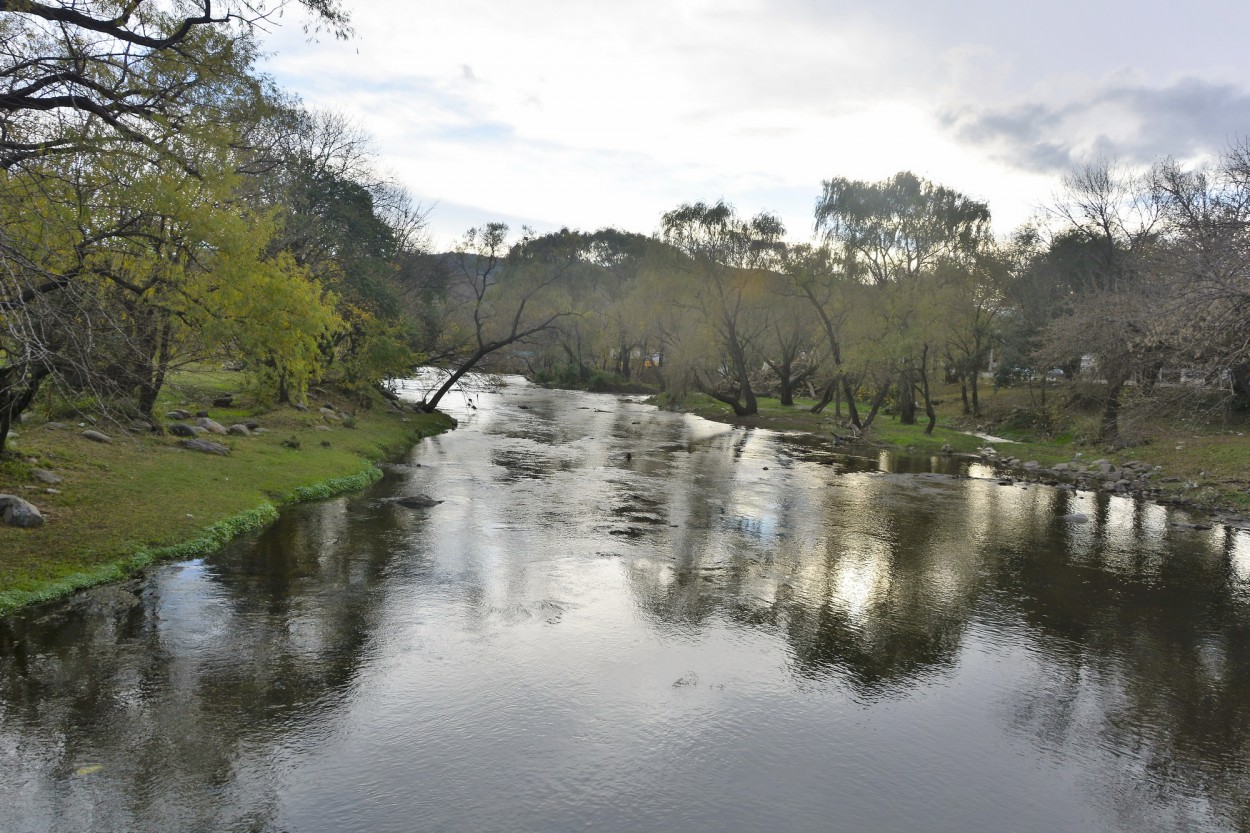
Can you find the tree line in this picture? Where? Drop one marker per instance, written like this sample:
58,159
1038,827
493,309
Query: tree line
165,205
1130,281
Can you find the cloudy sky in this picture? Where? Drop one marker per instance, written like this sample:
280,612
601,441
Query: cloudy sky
585,114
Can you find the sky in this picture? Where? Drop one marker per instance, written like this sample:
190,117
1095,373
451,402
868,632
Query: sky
585,114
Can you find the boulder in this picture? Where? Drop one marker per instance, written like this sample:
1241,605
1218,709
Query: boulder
329,413
178,414
206,446
212,426
97,436
55,426
181,429
139,426
224,401
17,512
297,406
201,414
239,430
46,477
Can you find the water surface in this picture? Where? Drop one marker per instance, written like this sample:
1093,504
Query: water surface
621,619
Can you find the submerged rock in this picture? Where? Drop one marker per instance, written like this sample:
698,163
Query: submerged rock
417,501
1076,518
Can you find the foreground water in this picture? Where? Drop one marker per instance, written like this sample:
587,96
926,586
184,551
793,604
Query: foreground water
625,620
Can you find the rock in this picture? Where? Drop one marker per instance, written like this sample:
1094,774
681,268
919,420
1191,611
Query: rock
46,477
55,426
180,429
322,428
178,414
239,430
17,512
224,401
206,446
251,425
211,426
418,501
139,426
297,406
1060,467
329,413
201,414
97,436
946,448
1032,464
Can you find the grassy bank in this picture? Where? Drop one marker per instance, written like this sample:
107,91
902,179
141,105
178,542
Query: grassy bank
142,498
1204,456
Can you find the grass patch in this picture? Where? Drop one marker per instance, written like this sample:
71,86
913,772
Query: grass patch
142,498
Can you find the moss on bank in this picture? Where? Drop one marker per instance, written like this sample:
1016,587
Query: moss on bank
125,505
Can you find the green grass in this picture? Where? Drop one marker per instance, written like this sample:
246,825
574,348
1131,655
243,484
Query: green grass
143,498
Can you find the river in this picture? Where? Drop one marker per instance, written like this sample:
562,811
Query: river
621,619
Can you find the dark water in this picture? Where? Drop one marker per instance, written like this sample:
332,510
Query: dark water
726,631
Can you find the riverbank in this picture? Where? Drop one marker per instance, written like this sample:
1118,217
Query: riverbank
111,508
1200,465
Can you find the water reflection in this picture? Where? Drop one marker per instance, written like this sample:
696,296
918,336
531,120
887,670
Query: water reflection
622,619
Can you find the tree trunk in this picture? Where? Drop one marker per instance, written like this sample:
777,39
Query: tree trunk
976,399
924,388
787,391
15,399
876,405
852,411
1110,428
907,398
963,394
826,396
430,405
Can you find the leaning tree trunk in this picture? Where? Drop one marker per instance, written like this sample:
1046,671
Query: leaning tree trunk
826,396
876,405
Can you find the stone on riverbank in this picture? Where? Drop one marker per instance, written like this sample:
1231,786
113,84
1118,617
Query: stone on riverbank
17,512
97,436
206,446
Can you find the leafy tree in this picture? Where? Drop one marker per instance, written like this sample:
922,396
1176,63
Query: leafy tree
896,235
728,285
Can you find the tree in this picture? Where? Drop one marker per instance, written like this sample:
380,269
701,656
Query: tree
497,297
896,234
103,105
727,257
1114,216
1207,261
78,72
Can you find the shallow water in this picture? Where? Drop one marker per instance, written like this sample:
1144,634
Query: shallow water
622,619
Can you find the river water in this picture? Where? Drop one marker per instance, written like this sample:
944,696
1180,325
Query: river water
627,620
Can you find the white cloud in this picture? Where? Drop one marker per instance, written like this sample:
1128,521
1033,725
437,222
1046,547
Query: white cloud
588,114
